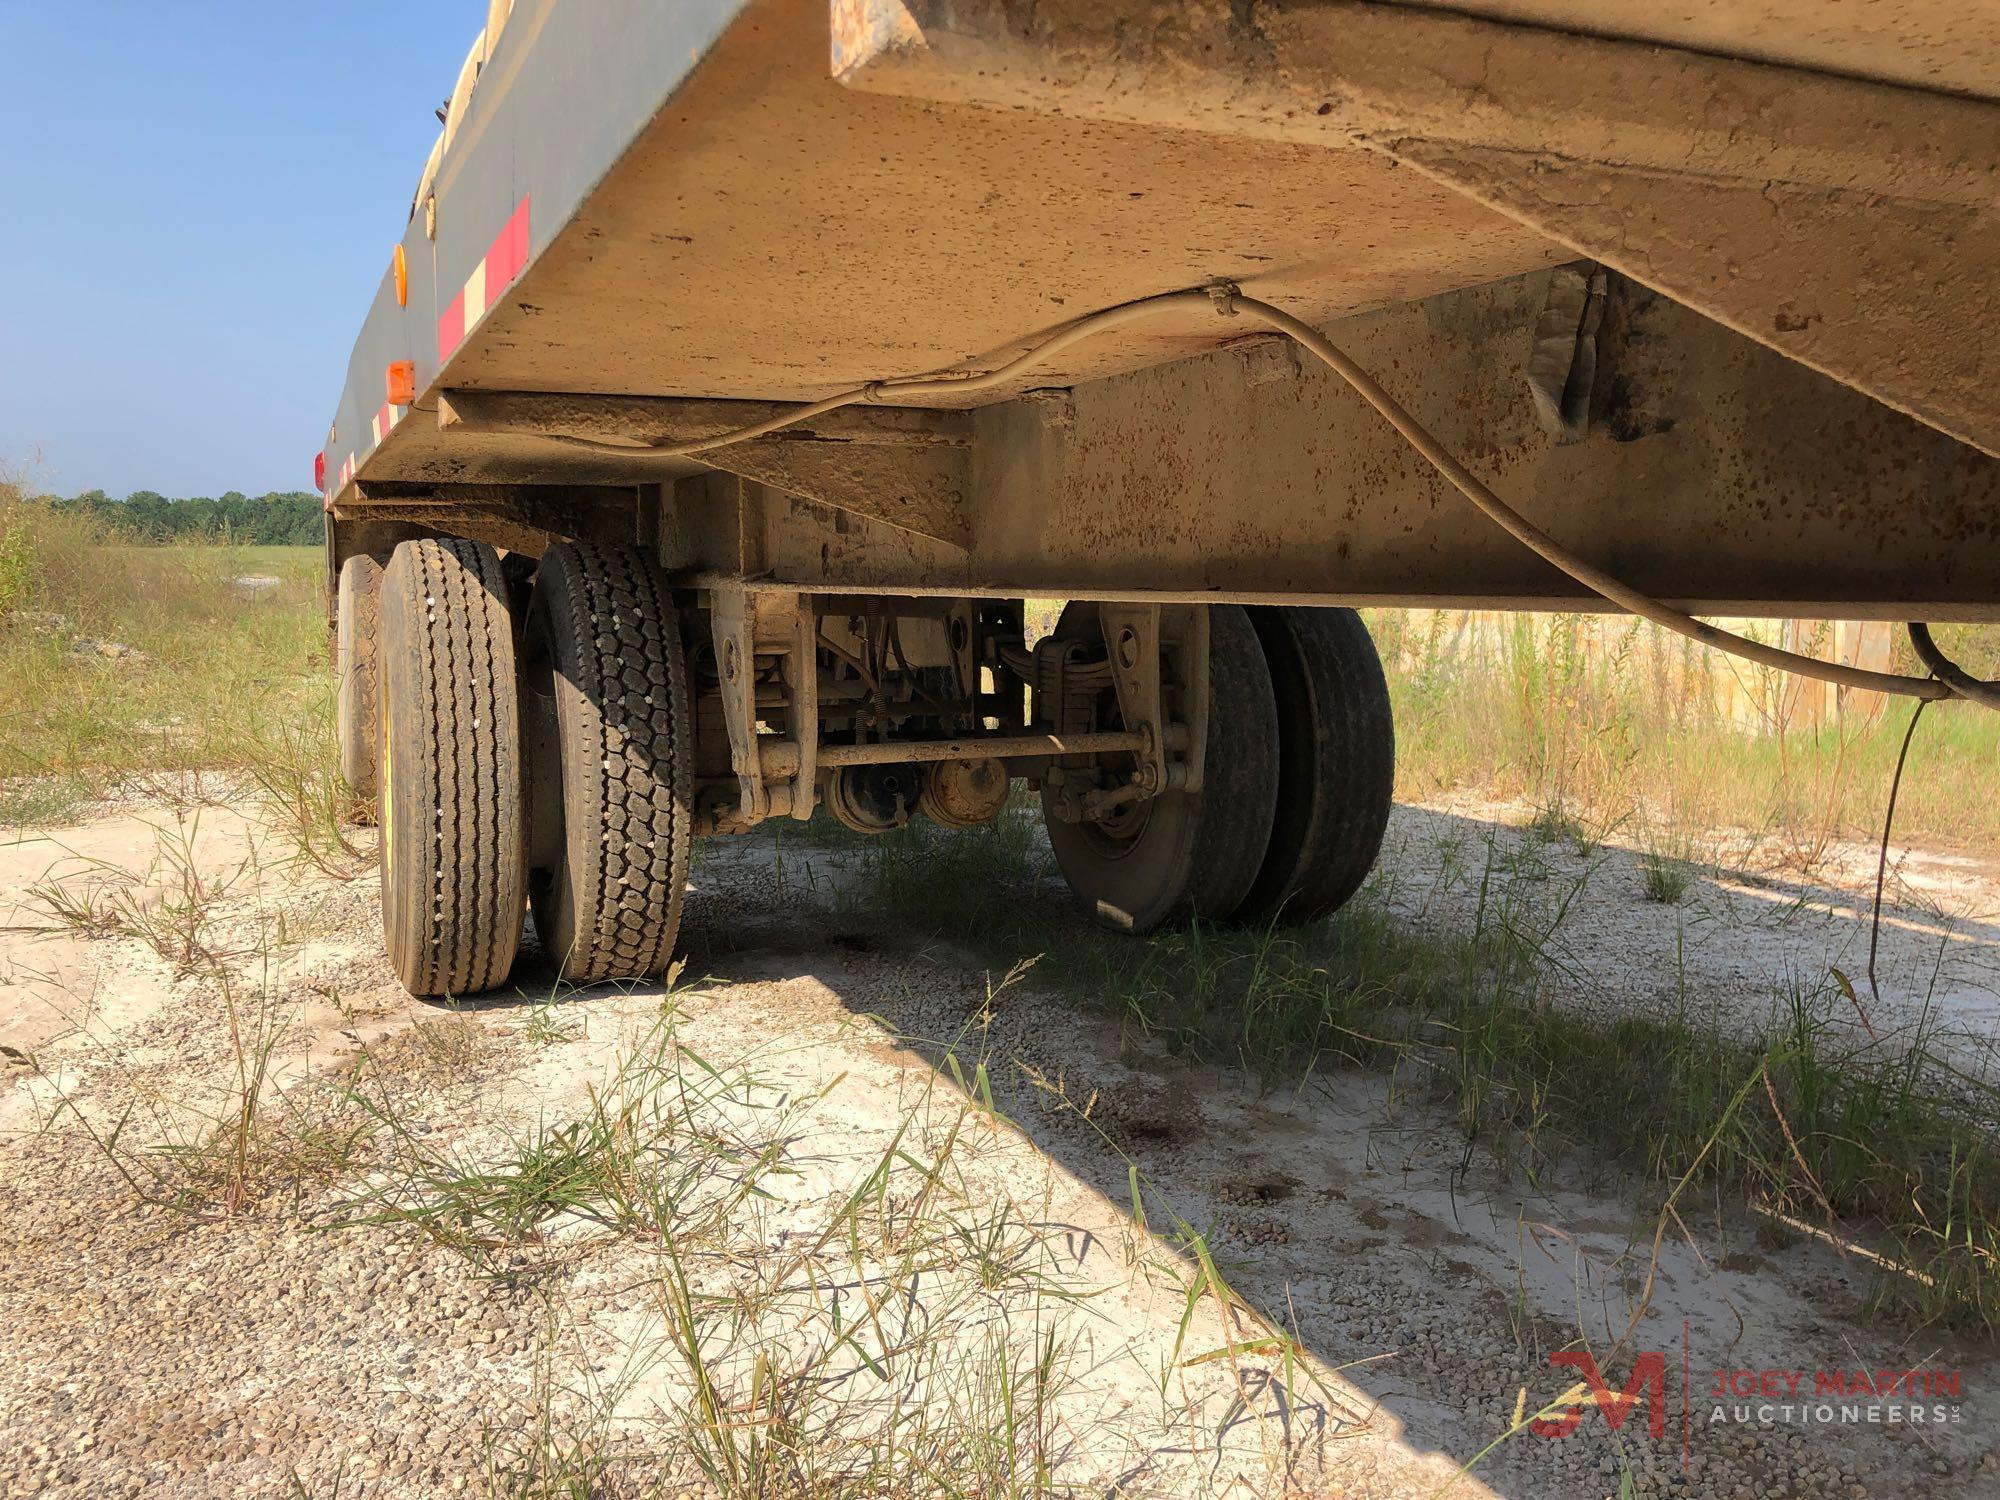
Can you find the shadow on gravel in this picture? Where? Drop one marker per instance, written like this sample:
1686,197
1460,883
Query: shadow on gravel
1436,1270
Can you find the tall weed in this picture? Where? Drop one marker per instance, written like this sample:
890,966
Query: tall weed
122,664
1598,721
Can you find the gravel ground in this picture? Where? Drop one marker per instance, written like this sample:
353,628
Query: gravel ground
1748,931
183,1350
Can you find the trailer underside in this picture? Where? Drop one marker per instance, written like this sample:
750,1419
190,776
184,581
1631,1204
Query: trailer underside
771,235
1709,298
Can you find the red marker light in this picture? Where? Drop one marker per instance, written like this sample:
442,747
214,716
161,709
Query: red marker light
319,471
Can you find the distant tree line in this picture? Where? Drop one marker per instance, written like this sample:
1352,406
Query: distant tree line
290,519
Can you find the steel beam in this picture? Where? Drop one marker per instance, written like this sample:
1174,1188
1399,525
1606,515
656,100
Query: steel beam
900,467
1850,225
781,759
1715,473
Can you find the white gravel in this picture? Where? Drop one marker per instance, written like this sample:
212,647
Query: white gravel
144,1352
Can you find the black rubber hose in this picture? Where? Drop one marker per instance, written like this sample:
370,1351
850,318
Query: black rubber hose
1962,683
1225,299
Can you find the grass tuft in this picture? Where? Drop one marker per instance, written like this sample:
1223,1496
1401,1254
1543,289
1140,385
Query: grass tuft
1800,1119
122,665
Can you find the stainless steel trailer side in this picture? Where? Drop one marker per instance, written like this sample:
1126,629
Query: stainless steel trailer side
1705,302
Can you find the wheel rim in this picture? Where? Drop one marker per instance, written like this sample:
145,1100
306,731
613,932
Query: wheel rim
1120,835
1183,854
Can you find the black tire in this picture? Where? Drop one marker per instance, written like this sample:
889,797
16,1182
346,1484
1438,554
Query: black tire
605,684
354,647
1182,856
1336,759
453,820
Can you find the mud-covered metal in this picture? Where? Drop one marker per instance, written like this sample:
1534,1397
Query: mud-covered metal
964,793
1853,225
718,223
1715,473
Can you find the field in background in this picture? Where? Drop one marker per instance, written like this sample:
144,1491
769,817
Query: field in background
1609,726
120,664
124,670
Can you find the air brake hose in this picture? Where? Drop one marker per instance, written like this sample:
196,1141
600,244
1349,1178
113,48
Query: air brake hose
1226,300
1955,677
1544,546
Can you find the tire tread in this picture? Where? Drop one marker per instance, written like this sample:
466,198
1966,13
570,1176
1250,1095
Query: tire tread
1338,747
453,898
624,736
356,643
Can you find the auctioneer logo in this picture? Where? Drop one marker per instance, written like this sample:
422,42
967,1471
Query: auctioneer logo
1648,1378
1923,1396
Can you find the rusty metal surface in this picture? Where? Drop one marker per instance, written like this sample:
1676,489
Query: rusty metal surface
1133,648
903,467
1933,44
1847,223
964,793
1716,474
515,518
773,236
780,758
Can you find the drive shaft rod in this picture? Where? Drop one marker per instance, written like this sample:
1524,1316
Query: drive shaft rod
780,758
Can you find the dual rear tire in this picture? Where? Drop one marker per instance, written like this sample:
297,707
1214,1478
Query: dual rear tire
1296,792
356,653
449,769
1336,762
1183,856
605,690
553,767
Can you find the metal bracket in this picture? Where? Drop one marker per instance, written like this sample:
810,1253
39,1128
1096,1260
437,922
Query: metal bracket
736,665
1132,638
1137,636
1192,769
905,467
802,684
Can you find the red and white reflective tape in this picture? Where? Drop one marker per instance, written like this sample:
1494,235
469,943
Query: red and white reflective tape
379,427
341,481
385,422
495,272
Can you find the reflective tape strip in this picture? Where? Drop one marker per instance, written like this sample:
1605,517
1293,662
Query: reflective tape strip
498,268
384,423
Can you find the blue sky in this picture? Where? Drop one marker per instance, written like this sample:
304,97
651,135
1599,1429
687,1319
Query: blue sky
196,203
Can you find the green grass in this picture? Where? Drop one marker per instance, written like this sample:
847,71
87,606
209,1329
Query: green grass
653,1154
1797,1120
905,1338
1600,722
124,666
1794,1121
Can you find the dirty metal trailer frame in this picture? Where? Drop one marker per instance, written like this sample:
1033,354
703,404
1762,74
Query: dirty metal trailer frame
1711,298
